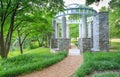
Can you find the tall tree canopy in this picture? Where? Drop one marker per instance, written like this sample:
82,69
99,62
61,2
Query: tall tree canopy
114,18
13,12
88,2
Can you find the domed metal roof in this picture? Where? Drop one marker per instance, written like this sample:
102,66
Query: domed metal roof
77,9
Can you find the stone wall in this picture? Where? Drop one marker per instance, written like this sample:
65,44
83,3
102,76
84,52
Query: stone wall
84,44
54,43
103,31
64,44
60,45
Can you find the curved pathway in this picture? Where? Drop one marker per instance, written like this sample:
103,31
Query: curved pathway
64,68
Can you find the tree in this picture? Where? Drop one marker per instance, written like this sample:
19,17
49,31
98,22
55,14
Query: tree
9,10
22,37
114,18
104,9
88,2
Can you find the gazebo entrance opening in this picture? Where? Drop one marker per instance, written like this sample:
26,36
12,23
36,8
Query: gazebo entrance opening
93,29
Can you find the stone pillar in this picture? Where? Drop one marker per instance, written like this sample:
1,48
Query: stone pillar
103,31
53,25
95,33
84,42
89,29
63,43
54,40
80,30
67,31
63,27
90,36
84,26
56,31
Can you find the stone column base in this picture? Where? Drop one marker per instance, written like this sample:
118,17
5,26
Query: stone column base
54,45
58,45
64,44
84,44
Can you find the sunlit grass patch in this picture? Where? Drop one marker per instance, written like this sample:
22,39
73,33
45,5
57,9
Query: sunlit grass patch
36,59
115,45
115,40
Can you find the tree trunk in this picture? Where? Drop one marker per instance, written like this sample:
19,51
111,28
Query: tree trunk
38,42
2,46
20,43
3,49
0,43
5,43
21,49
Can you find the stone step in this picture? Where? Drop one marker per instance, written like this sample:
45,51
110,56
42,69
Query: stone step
74,52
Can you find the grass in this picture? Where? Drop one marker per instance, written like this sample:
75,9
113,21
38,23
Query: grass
98,61
32,60
115,40
101,62
107,74
115,45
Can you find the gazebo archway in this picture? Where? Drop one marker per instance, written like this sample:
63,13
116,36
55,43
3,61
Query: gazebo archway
93,31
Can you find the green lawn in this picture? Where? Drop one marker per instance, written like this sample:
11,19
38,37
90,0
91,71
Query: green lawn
32,60
96,64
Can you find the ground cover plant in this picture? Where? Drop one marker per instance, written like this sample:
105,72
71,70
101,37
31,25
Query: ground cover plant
107,74
99,61
32,60
103,62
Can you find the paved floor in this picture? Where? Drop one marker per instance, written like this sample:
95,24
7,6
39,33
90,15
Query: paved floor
74,51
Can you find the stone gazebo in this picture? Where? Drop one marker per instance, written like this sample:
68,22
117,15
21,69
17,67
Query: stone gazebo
93,29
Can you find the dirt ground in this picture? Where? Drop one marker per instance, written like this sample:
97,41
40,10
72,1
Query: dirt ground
64,68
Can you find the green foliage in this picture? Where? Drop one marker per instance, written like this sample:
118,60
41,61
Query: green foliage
103,9
36,59
88,2
34,45
114,18
99,61
29,16
74,41
74,30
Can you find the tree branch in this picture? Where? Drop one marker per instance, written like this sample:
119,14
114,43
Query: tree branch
1,4
25,38
17,25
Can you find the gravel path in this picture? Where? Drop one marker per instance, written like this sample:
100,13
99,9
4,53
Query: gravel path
64,68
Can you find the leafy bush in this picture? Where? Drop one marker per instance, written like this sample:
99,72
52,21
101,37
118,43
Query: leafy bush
98,62
34,60
34,45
